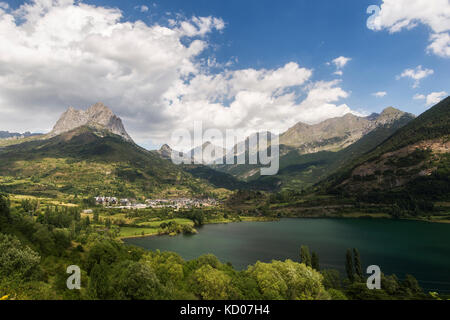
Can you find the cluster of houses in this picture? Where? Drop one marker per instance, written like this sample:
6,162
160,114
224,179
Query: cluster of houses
179,203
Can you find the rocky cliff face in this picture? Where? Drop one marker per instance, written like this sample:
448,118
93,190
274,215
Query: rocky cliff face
96,115
337,133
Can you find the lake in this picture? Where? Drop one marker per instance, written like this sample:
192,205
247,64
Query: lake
401,247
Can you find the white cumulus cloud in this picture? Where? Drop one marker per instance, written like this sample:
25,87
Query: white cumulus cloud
416,74
339,63
398,15
435,97
61,53
431,99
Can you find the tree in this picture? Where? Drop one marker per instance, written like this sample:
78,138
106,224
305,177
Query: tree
358,267
287,280
98,281
132,280
331,279
410,286
315,261
305,257
4,210
349,266
17,259
30,205
87,222
96,217
211,284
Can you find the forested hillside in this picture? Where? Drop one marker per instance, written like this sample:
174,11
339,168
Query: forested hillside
92,161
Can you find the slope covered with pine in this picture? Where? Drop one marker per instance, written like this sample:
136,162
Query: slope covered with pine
412,166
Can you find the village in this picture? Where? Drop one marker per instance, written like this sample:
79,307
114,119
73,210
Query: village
178,203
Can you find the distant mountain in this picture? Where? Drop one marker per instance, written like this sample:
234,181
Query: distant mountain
298,170
336,133
97,115
415,160
16,135
165,152
309,153
206,153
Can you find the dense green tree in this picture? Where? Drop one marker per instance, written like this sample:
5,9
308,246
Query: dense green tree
132,280
107,251
43,239
5,216
95,216
349,266
315,261
209,283
287,280
17,259
390,284
410,286
305,256
98,287
61,238
87,221
358,266
331,279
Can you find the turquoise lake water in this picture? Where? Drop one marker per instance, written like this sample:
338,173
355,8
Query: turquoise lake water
401,247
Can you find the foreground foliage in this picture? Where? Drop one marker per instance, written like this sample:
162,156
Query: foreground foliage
35,252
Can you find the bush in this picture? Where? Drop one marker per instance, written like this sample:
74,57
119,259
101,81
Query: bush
17,259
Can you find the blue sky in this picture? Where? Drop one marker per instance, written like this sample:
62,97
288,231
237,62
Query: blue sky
54,63
268,34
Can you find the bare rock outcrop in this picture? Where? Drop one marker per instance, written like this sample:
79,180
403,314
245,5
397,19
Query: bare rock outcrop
97,115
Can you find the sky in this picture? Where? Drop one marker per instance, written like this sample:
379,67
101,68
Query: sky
248,65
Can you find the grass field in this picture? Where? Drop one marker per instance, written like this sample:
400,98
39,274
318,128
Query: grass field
150,228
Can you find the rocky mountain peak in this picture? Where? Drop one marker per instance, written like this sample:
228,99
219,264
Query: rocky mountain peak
337,133
390,115
165,151
96,115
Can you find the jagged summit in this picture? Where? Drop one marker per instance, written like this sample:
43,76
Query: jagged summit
97,114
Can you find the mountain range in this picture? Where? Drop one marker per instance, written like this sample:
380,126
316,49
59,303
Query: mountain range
309,153
337,133
16,135
90,153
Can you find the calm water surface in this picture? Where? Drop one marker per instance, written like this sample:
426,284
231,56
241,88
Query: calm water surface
401,247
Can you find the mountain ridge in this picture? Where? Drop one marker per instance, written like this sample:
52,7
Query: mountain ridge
416,152
336,133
